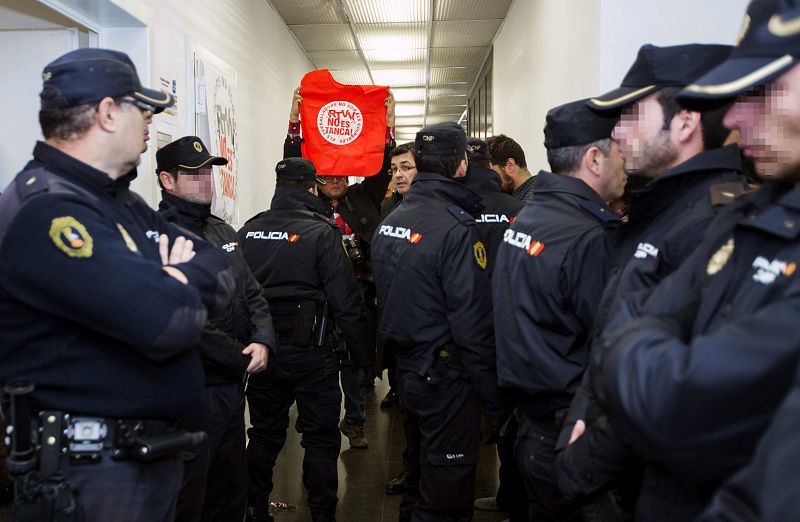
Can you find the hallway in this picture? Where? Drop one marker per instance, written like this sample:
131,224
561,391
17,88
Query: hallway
362,473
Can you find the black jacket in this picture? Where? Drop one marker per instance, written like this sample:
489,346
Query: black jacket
361,205
667,222
551,270
88,313
500,210
431,282
295,252
694,372
766,489
247,319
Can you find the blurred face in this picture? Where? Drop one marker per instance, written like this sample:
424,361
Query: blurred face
196,186
768,121
614,173
403,171
646,146
336,186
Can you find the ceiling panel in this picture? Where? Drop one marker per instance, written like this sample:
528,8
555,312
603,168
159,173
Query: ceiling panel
409,94
396,58
442,118
471,9
452,90
450,56
410,109
324,37
404,121
399,77
352,76
307,12
465,33
449,100
336,59
392,36
450,75
435,108
376,11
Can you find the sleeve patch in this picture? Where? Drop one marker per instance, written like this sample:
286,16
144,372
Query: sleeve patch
71,237
479,251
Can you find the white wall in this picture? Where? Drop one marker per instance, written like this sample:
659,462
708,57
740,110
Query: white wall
246,34
550,52
250,37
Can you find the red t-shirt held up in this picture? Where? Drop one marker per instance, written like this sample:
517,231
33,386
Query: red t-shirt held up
344,126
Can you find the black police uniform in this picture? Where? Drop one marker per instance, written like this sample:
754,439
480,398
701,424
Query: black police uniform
693,375
765,489
666,223
215,478
551,268
361,205
500,210
296,253
90,317
436,316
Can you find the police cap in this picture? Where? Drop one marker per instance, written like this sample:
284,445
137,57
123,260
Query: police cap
768,46
441,139
658,67
89,75
296,169
574,123
478,150
187,153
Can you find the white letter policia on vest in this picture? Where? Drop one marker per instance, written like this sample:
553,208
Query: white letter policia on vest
400,233
523,241
273,236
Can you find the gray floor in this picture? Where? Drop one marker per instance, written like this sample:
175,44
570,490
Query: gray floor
363,472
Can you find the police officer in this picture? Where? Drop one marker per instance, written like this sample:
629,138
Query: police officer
551,270
103,300
234,343
356,211
430,267
717,340
500,209
689,177
295,252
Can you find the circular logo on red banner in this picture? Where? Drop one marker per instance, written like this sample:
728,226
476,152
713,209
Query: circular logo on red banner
340,122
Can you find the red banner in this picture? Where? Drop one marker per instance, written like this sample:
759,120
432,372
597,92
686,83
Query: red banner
344,126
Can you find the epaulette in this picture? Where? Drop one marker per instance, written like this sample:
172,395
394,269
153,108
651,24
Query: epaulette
724,193
600,212
32,182
461,215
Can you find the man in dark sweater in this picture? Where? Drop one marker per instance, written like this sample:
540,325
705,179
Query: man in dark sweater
234,343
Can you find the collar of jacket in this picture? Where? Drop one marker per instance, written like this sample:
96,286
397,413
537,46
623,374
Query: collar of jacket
780,219
188,215
481,180
547,182
79,172
292,198
521,191
436,185
657,194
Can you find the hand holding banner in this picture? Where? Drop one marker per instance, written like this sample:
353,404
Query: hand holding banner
344,126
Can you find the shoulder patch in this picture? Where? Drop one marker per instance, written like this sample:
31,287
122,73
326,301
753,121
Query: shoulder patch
600,212
479,251
461,215
71,237
724,193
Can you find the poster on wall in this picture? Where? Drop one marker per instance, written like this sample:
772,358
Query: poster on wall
215,124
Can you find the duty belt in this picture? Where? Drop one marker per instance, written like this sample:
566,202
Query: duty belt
84,438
